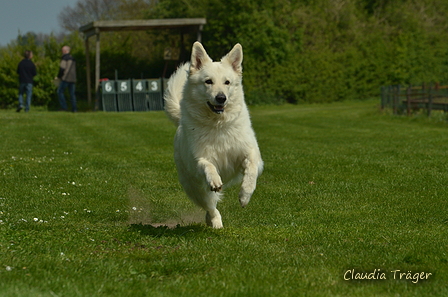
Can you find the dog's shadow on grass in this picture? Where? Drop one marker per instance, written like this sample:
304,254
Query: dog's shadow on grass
167,231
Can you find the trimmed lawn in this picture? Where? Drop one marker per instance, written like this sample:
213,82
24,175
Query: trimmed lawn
348,192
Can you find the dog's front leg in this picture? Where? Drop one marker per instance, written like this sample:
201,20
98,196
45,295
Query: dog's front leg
211,174
251,171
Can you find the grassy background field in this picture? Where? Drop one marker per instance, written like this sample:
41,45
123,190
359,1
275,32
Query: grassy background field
84,199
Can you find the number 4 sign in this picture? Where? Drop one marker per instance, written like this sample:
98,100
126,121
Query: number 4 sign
139,86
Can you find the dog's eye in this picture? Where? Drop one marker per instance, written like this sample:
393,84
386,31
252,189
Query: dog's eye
227,82
209,82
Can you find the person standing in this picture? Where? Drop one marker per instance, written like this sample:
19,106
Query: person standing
67,75
26,71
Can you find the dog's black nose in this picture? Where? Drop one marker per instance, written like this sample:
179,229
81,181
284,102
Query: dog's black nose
220,98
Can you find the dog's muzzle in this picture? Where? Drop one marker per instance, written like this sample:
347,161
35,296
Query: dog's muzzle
218,108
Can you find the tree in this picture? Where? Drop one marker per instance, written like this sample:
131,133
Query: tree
324,50
86,11
294,51
47,68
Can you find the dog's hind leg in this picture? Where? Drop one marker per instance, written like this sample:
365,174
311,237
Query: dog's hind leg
205,199
251,171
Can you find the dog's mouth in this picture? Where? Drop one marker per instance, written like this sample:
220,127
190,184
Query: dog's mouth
218,109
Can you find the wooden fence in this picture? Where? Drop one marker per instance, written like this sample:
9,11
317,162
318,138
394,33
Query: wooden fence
410,98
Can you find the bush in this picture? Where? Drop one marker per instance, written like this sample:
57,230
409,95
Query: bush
47,69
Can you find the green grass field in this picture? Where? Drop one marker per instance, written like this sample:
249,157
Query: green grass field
347,192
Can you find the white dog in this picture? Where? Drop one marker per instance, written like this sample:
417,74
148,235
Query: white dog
215,145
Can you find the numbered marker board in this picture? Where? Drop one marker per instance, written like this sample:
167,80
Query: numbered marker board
124,86
139,86
108,86
154,86
139,97
155,96
124,95
108,96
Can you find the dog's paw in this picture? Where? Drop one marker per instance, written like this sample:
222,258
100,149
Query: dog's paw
215,188
244,198
216,184
213,219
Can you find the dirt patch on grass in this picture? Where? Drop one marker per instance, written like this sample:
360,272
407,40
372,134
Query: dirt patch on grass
145,212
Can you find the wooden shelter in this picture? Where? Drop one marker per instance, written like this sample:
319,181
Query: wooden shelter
95,28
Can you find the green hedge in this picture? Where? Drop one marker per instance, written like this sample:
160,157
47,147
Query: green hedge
324,50
47,69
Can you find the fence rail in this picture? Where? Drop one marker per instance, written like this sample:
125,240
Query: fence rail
410,98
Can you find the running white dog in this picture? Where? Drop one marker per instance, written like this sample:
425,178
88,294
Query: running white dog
215,145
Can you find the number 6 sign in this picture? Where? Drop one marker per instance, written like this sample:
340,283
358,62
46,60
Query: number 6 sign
108,86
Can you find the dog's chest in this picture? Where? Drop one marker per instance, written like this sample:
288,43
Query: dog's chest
223,147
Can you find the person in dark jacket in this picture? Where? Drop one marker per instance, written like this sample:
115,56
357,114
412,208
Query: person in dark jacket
26,71
67,75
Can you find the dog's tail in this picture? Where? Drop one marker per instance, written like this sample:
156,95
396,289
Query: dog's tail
173,93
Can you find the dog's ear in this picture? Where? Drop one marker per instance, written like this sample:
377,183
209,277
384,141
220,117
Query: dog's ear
199,57
235,58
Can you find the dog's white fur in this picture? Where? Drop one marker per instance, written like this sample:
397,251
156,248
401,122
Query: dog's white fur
215,145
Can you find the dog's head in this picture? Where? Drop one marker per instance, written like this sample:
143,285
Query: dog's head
216,84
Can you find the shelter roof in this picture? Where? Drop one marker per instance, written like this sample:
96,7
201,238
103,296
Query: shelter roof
132,25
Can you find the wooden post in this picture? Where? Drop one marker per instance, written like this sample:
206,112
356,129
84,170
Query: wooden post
396,98
97,68
199,35
408,97
429,101
394,104
89,87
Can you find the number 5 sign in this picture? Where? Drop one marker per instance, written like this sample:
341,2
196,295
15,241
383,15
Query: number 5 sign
124,86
